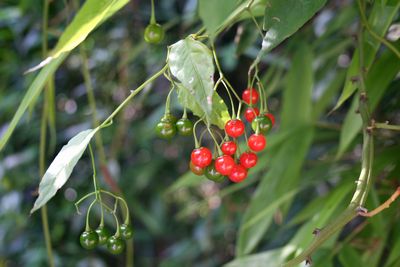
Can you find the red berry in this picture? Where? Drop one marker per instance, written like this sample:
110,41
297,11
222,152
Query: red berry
201,157
271,118
229,148
248,160
256,142
238,174
250,96
234,128
251,113
224,164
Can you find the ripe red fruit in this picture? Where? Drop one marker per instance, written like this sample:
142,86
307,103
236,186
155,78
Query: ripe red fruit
248,160
251,113
234,128
271,118
229,148
201,157
238,174
250,96
256,142
224,164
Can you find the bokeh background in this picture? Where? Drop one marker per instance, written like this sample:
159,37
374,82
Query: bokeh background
180,219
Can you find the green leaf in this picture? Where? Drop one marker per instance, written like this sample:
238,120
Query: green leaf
219,113
378,79
89,16
271,258
30,96
191,63
213,13
284,18
349,257
380,18
281,177
61,168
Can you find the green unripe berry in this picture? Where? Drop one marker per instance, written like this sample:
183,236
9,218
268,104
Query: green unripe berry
154,33
89,239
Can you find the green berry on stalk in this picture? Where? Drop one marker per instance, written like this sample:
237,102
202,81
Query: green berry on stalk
165,129
115,245
103,235
154,33
89,239
169,117
212,174
264,124
184,127
126,231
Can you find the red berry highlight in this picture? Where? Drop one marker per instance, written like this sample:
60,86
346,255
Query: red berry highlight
224,164
271,118
250,96
234,128
251,113
238,174
229,148
256,142
248,160
201,157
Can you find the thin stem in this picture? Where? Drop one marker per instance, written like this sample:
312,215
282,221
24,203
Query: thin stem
95,185
132,95
215,141
254,20
87,228
153,14
387,126
196,142
385,205
374,34
168,102
92,101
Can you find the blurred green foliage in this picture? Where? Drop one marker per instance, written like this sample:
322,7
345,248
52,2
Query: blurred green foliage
303,180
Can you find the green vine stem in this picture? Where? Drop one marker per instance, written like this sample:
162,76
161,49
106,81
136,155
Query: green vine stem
386,126
153,15
363,182
87,228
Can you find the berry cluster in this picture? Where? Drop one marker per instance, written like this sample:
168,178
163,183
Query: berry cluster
89,239
230,162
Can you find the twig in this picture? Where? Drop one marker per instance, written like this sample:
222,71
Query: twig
385,205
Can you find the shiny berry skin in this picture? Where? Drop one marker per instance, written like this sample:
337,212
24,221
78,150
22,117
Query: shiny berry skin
126,231
89,239
238,174
224,164
229,148
248,160
212,174
201,157
103,234
257,142
196,169
184,127
169,117
250,96
115,245
271,118
165,129
251,113
154,33
264,124
234,128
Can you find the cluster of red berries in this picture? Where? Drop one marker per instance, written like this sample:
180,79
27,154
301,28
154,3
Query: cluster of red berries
202,162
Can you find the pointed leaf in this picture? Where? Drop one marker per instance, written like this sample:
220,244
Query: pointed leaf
61,168
191,62
284,18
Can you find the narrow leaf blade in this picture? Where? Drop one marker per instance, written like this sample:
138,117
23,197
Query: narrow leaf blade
61,168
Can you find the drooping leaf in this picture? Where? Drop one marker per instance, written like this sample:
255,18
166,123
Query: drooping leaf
380,18
31,94
219,113
91,14
284,18
296,114
61,168
213,13
191,63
